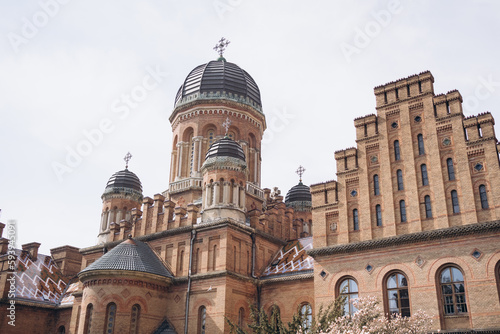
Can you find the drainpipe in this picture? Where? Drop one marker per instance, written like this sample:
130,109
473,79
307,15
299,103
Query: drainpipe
253,255
193,236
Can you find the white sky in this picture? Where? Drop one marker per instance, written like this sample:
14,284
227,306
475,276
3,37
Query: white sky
61,79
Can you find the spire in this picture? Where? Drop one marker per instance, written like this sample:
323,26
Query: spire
300,171
127,158
220,47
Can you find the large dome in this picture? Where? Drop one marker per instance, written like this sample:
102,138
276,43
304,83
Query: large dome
124,179
222,80
225,147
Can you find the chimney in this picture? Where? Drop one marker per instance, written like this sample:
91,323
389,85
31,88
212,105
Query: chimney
32,249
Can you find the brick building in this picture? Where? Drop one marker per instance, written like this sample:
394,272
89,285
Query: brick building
411,219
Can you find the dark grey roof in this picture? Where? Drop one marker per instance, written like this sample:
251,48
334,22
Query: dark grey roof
298,193
131,255
225,147
124,179
219,76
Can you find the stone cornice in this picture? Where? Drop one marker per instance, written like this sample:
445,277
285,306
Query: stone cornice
412,238
309,274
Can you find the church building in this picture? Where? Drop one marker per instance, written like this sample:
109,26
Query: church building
413,218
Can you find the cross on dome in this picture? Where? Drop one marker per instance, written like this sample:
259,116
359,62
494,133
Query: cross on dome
220,47
226,125
300,171
127,158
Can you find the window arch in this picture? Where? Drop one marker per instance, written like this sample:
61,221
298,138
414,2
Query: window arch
399,175
134,318
110,318
376,185
88,319
241,317
378,214
420,141
397,296
483,196
397,151
402,210
423,172
454,201
355,219
452,290
451,169
202,319
305,313
348,288
428,207
61,330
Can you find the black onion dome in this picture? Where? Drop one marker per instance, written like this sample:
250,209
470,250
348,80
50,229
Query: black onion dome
130,255
298,193
225,147
124,179
220,77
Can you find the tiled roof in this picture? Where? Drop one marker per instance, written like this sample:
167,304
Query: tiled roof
291,259
130,255
450,232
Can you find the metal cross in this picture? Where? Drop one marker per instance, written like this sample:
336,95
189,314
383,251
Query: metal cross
221,46
300,171
226,124
127,158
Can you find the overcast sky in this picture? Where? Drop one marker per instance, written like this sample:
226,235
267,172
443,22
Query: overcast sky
66,66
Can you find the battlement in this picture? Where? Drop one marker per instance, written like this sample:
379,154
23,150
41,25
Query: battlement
404,88
366,126
346,159
480,126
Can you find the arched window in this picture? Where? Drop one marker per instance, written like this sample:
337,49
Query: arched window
451,169
241,317
398,299
348,288
452,288
428,207
402,210
425,178
202,319
483,196
61,330
88,319
376,186
420,140
305,313
110,318
399,174
211,136
454,201
134,319
378,214
355,219
397,152
497,275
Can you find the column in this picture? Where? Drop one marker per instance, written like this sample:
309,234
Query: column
172,165
103,221
236,195
215,199
242,197
225,192
256,167
179,159
197,156
118,216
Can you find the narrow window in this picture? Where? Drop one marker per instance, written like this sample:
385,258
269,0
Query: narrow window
397,94
385,97
425,178
202,318
428,208
355,219
402,210
448,110
451,169
420,86
398,299
479,131
376,187
399,174
366,130
306,316
348,288
241,317
408,90
214,259
378,213
61,330
134,319
483,196
452,290
345,163
88,319
454,201
397,153
420,140
110,318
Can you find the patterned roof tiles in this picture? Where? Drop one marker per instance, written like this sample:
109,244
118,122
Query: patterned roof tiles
291,259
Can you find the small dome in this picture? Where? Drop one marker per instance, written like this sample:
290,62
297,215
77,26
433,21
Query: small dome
124,179
225,147
130,255
223,80
299,197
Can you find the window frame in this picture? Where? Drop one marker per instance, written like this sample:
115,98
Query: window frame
428,206
424,174
398,290
134,324
420,144
451,169
109,324
202,320
349,295
88,318
355,220
402,211
378,214
455,205
305,319
483,197
397,151
399,179
376,185
442,297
